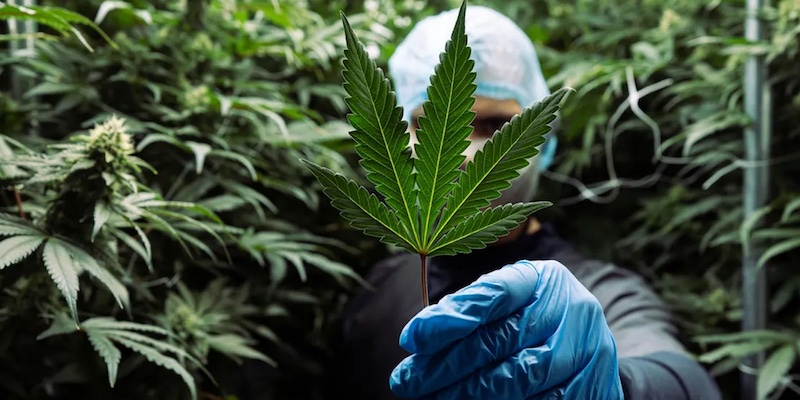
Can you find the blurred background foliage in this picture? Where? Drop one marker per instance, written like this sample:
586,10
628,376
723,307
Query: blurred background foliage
181,132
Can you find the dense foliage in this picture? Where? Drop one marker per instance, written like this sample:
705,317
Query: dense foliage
155,208
165,165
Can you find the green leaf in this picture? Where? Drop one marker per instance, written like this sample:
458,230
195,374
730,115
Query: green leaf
230,155
142,249
361,208
774,370
691,211
334,268
445,127
17,248
380,132
166,227
182,236
158,358
776,233
61,324
223,202
253,197
9,11
234,345
484,227
499,162
200,150
159,345
128,334
749,224
75,18
198,244
790,208
110,353
63,271
105,323
102,212
778,249
429,198
727,221
735,350
762,335
108,6
12,225
91,266
57,18
710,125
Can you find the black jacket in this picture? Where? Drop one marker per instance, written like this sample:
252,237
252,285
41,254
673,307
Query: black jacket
653,363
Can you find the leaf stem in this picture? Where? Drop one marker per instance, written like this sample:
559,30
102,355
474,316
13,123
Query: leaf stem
424,279
18,198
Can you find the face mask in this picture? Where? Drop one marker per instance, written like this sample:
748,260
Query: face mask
522,187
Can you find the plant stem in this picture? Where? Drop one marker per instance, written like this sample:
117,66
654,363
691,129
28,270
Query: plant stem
424,280
18,198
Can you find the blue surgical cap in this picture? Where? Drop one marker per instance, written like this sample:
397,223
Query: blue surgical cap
506,63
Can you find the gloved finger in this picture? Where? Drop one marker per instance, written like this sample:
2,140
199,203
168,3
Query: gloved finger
420,374
492,296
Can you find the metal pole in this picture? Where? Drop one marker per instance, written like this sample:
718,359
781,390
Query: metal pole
21,27
21,84
756,191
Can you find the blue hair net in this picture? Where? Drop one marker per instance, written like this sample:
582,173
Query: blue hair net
506,63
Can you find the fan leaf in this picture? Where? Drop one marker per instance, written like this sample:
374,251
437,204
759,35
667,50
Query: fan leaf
63,271
90,265
430,206
775,369
160,359
499,162
362,209
110,353
11,225
379,132
106,323
775,250
484,228
17,248
235,346
445,127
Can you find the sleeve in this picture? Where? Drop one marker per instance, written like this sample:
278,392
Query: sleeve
665,376
653,363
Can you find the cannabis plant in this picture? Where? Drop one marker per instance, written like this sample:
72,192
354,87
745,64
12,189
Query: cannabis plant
125,160
98,202
431,206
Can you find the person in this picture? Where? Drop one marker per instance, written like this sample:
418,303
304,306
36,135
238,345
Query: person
528,317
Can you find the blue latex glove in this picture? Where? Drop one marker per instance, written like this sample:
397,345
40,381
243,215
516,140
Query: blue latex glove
526,331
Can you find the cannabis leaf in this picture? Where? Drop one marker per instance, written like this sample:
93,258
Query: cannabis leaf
105,334
17,248
430,205
63,260
445,127
60,19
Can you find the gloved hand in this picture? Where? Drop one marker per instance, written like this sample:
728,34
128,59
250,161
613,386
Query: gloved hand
526,331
